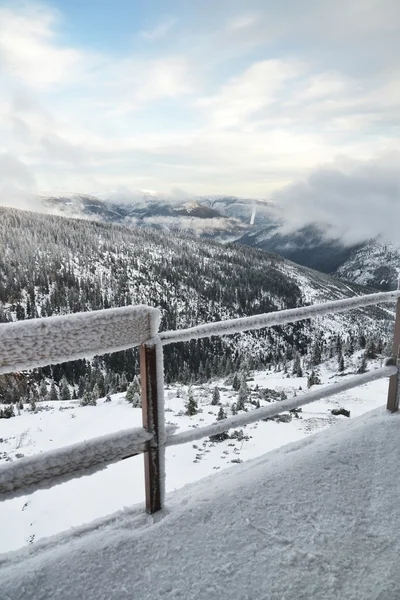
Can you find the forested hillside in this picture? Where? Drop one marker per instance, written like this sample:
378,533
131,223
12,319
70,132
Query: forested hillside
53,265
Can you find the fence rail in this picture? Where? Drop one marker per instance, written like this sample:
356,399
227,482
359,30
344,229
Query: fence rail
29,344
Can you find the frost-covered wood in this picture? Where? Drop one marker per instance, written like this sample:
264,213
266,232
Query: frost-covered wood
152,377
57,466
51,340
281,317
278,407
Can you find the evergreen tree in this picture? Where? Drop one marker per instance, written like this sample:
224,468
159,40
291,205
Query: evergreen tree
243,394
88,399
216,398
130,392
236,382
362,341
43,390
313,379
370,350
297,370
316,355
221,414
96,392
65,393
191,404
83,385
53,393
363,365
341,364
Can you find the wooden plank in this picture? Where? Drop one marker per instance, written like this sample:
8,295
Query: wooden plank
394,382
40,342
152,458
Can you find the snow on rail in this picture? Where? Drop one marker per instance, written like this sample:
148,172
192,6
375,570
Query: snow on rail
57,466
278,407
51,340
276,318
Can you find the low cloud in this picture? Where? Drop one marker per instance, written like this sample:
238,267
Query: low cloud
352,200
17,184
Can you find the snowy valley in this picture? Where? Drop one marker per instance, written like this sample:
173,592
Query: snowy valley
61,266
50,425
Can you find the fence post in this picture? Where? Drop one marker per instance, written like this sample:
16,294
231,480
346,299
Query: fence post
150,365
394,382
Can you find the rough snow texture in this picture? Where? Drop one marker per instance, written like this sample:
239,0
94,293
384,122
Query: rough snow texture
276,318
51,340
56,466
314,519
278,407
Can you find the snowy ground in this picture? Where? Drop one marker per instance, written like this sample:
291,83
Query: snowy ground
316,519
25,520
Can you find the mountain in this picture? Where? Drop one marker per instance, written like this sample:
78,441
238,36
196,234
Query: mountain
52,265
374,263
244,221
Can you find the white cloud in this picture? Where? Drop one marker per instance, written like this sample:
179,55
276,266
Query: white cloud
17,183
353,200
227,109
244,95
238,23
159,31
29,51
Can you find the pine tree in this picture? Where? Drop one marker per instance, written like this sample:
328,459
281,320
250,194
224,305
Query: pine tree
370,350
316,355
363,365
341,364
96,392
43,390
243,394
191,405
236,382
65,393
130,392
297,371
137,400
313,379
221,414
88,399
216,398
53,393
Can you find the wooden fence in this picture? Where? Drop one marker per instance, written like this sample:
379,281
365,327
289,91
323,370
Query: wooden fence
28,344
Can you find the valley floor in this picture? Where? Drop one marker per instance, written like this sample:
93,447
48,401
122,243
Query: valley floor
316,519
28,519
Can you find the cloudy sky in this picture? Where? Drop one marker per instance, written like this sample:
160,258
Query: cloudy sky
253,98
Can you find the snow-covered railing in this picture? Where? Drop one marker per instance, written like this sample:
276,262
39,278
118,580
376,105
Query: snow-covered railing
51,340
57,466
40,342
281,317
276,408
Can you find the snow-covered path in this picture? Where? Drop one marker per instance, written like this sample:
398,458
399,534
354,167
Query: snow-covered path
318,518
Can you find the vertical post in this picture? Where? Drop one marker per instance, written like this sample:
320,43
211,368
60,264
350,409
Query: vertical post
394,382
153,458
